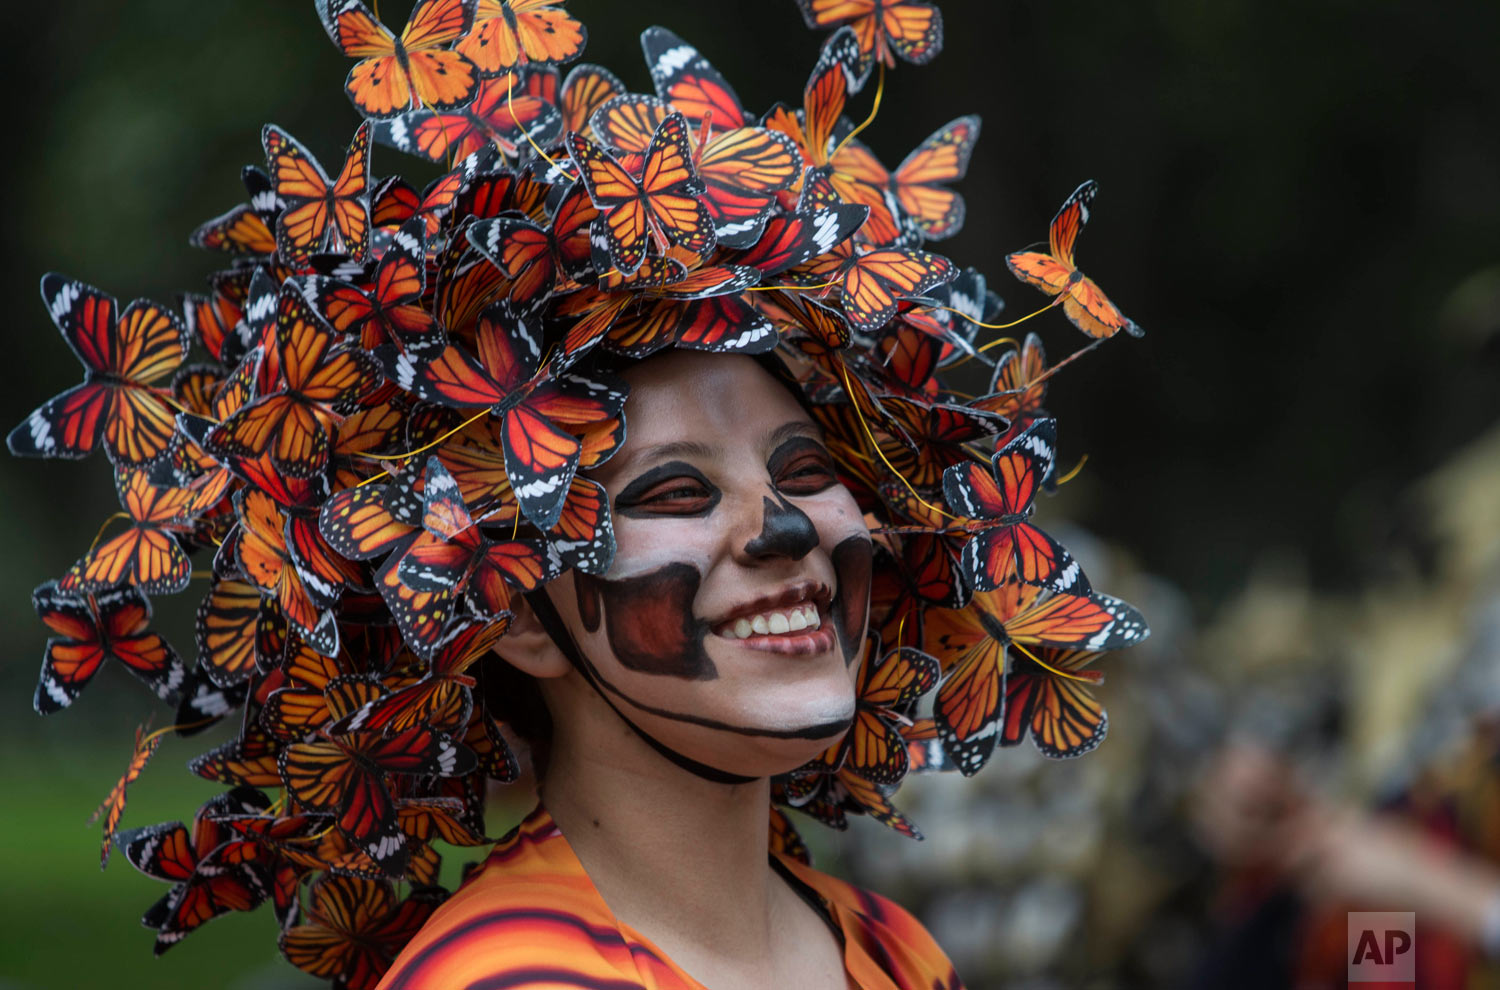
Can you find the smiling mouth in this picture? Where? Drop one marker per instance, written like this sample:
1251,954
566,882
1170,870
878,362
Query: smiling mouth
793,622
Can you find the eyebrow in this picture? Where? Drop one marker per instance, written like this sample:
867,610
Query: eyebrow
678,449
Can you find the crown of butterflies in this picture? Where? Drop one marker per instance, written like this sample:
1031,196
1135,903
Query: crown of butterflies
401,390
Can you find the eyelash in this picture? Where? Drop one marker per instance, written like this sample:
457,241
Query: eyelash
808,467
690,496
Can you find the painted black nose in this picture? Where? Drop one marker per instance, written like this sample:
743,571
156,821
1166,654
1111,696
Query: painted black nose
786,532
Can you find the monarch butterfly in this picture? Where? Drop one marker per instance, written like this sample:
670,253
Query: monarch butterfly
391,310
228,631
319,215
999,501
147,555
92,629
871,282
835,75
585,89
400,74
1060,713
884,28
887,687
538,409
703,310
122,355
505,113
506,34
791,239
496,759
207,880
354,928
784,838
972,645
241,231
459,557
347,774
260,546
113,806
292,424
536,257
937,211
1083,302
662,204
1018,385
930,437
249,760
317,690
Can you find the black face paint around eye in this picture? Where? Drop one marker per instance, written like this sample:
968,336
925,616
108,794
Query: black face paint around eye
628,502
652,628
851,603
785,532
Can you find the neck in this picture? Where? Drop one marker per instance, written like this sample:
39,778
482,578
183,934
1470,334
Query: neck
680,859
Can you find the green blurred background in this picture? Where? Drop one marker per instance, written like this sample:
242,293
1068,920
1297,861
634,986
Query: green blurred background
1299,202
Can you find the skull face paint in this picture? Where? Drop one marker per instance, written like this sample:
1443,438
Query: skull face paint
740,585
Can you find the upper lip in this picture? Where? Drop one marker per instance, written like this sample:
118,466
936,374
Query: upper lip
815,592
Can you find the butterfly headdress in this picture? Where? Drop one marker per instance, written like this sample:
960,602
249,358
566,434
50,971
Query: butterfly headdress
376,428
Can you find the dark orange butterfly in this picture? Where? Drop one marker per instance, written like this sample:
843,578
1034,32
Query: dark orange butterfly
248,760
242,231
1055,274
972,645
415,70
538,257
206,881
147,555
784,838
122,356
884,28
347,774
455,555
292,424
113,806
390,311
505,113
930,437
835,75
319,215
507,34
916,183
662,205
355,927
586,88
311,695
230,629
887,688
870,283
260,546
1019,383
999,501
92,629
1054,706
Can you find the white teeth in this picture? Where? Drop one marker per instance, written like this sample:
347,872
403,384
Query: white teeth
777,623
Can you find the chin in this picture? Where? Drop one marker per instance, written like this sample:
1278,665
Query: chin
791,734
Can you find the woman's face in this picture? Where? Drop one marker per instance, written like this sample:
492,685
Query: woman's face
729,623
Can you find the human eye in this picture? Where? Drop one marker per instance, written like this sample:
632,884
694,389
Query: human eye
675,489
802,466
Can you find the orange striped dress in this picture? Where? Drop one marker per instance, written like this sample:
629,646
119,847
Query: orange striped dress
530,918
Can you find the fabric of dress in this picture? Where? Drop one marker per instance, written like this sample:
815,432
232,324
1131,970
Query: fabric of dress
531,918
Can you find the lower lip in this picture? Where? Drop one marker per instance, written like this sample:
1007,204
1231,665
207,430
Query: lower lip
803,643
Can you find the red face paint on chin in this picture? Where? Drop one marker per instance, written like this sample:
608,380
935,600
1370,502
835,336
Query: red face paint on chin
651,626
851,603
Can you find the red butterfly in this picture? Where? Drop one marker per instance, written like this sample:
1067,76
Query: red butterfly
508,33
791,239
662,204
319,215
999,500
1055,274
1054,706
347,774
122,356
887,688
453,554
539,410
92,629
207,880
537,257
260,547
292,424
391,310
506,112
400,74
972,644
355,927
884,28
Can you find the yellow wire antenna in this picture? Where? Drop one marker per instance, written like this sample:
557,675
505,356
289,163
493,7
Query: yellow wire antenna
1074,473
105,525
510,93
874,109
181,727
793,288
431,443
1047,666
875,445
